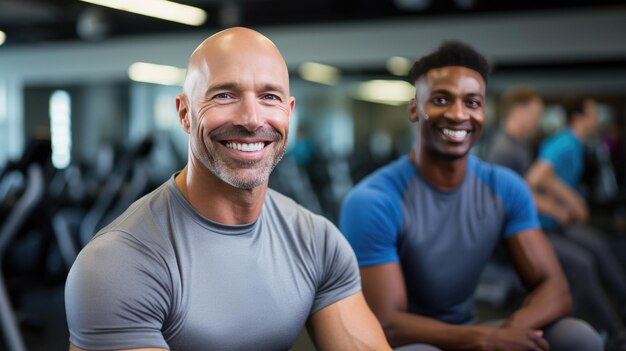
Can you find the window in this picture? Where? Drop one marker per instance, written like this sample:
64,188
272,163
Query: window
61,128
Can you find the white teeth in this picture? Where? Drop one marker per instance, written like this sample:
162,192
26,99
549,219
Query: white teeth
455,133
245,147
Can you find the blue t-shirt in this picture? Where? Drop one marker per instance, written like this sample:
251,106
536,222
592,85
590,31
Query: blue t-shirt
442,239
566,154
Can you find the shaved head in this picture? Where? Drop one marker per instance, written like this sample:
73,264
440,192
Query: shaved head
230,45
236,107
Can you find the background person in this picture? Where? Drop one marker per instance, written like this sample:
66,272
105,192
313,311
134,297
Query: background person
585,254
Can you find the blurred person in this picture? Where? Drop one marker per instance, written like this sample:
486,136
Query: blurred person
213,259
613,141
521,113
585,254
424,227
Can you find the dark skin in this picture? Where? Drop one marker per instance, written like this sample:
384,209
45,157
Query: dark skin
451,98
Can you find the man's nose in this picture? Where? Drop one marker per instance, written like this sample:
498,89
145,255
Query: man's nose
457,112
248,116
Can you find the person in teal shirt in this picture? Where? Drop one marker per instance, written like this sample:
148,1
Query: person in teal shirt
587,260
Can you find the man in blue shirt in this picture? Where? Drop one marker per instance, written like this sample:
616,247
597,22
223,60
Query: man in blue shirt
584,253
424,227
560,165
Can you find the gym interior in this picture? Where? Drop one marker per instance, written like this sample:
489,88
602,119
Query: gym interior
88,120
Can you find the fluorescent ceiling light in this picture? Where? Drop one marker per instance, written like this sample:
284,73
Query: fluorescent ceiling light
156,74
399,66
163,9
319,73
3,37
389,92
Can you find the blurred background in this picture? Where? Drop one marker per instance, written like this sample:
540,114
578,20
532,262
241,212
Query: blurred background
88,121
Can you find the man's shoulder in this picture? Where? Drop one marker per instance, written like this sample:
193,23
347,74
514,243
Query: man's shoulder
375,203
277,204
559,139
388,180
305,229
142,221
284,203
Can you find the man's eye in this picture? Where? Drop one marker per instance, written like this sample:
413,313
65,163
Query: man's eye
473,104
221,96
439,101
271,97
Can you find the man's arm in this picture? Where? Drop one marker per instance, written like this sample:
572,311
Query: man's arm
384,289
541,177
74,348
537,266
347,325
547,205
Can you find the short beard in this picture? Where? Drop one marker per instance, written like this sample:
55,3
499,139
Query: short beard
235,179
231,175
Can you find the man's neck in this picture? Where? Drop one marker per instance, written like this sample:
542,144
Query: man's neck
219,201
580,131
442,173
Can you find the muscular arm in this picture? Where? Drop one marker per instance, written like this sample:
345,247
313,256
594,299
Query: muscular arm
537,266
384,290
541,176
74,348
347,325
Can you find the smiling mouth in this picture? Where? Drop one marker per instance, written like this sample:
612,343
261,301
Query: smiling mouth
245,147
457,134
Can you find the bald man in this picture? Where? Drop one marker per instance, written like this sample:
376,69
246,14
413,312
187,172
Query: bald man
213,259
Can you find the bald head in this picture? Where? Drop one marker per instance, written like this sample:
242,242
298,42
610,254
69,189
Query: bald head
236,107
242,47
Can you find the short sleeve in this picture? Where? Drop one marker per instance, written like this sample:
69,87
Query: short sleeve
553,150
521,213
340,276
116,295
370,220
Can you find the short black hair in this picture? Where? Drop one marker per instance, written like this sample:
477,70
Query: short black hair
574,106
451,53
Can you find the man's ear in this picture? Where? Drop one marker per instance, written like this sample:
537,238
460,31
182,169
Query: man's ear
184,111
292,105
413,115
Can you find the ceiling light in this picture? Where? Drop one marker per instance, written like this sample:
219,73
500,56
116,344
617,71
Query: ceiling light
3,37
156,74
389,92
162,9
399,66
319,73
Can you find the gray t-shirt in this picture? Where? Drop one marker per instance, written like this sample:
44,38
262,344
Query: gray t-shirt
162,275
510,152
